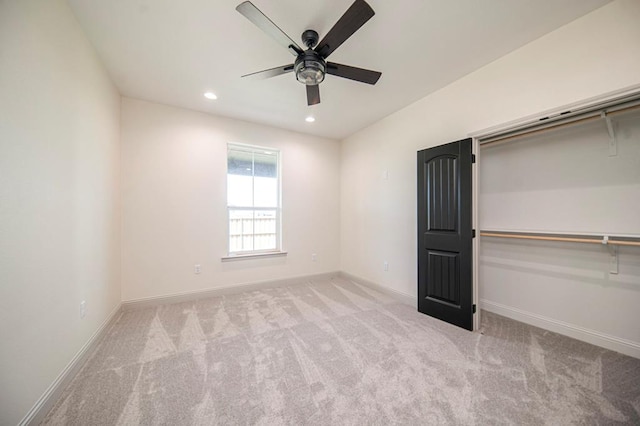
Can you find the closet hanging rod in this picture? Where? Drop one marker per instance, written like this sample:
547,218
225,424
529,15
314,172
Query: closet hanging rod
571,239
595,115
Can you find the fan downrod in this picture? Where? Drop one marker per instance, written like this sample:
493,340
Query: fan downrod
310,38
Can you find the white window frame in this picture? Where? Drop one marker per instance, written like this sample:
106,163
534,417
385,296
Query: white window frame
277,251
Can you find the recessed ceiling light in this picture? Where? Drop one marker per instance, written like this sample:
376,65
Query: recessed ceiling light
210,95
309,119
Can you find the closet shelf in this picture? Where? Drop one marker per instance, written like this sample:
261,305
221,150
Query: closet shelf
571,238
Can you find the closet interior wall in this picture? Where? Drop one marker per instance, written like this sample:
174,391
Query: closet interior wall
565,181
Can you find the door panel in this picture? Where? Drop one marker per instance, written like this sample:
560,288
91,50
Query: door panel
443,282
445,287
442,206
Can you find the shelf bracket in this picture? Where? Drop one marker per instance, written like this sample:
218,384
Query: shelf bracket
613,143
613,255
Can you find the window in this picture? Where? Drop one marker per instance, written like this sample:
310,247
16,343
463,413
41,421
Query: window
253,199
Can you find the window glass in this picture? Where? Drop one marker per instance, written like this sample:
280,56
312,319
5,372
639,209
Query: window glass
253,199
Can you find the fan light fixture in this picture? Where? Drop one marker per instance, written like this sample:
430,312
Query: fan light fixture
310,73
309,119
210,95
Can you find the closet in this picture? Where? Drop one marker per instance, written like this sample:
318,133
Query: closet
559,223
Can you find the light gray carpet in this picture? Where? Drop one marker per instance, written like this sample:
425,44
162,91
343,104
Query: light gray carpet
332,353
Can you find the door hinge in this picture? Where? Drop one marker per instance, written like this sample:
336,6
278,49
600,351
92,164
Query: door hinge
473,233
474,309
473,158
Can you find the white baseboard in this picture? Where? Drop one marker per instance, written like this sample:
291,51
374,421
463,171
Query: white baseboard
40,409
148,302
597,338
405,298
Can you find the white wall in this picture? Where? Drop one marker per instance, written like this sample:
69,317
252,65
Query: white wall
564,180
174,201
59,202
596,54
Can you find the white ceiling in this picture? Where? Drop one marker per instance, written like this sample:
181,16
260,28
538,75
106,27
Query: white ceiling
171,52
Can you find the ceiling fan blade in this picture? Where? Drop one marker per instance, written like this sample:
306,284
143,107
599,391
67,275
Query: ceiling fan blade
313,95
253,14
353,73
355,17
272,72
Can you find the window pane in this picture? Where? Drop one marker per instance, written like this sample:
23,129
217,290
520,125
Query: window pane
239,163
240,230
265,230
239,191
266,192
252,230
266,180
266,165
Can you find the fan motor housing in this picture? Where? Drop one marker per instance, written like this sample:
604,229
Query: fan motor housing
310,38
310,68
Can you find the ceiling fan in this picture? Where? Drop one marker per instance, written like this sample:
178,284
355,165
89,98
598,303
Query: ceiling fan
310,65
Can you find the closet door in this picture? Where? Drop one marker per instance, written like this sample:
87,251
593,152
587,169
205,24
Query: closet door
445,262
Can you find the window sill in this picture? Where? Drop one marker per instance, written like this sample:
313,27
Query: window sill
253,256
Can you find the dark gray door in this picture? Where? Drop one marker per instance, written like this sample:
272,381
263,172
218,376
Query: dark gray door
445,239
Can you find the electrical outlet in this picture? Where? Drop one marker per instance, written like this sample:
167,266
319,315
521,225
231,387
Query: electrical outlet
83,309
197,269
385,265
314,257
